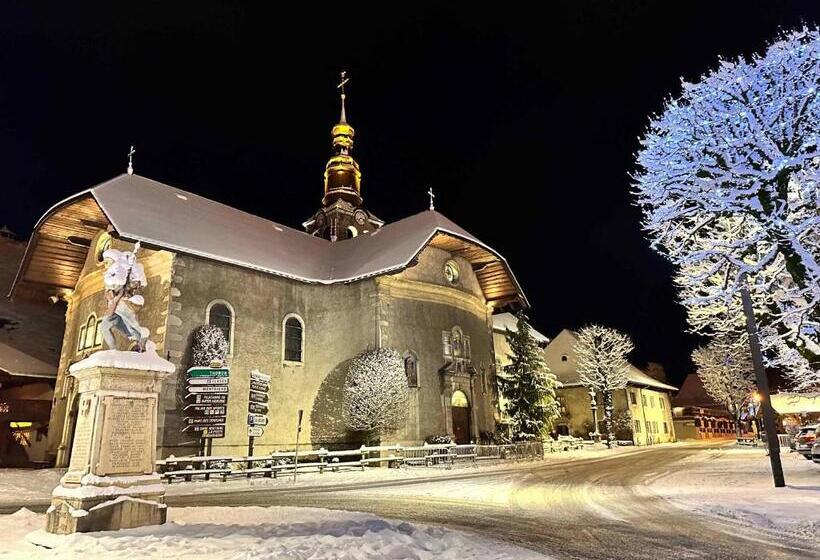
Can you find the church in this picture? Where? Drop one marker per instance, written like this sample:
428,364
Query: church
294,305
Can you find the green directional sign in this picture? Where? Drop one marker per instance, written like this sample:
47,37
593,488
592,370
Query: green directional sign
208,372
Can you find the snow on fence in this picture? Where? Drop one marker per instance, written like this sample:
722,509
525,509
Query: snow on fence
313,460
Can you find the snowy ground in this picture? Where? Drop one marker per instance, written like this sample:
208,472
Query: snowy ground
27,487
248,533
735,485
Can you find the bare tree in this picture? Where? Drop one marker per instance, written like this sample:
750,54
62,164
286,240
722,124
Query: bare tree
376,392
602,365
725,369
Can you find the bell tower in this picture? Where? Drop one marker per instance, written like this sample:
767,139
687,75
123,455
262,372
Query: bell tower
342,215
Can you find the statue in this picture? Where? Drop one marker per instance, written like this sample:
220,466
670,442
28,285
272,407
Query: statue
124,278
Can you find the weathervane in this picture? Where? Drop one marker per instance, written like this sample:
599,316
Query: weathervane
131,153
432,196
343,80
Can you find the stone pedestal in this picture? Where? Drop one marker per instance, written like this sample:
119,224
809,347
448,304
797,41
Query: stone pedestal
111,482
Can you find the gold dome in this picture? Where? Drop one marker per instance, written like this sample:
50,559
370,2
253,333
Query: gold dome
342,176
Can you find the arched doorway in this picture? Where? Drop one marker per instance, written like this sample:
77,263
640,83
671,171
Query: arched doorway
460,407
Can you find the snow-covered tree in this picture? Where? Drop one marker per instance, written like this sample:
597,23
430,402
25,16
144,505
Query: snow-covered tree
376,392
600,354
725,369
527,385
728,182
208,346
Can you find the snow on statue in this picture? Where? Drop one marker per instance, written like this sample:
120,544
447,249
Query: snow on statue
728,181
124,278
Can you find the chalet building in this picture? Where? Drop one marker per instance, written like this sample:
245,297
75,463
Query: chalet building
699,416
296,305
643,408
30,338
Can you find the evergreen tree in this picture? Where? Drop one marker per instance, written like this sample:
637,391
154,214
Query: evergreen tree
527,385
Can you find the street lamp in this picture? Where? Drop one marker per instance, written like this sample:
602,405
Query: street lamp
593,404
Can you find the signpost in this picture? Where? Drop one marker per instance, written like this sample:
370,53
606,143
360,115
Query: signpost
206,401
257,409
296,452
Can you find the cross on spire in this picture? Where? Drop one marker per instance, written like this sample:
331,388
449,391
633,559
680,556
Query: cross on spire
131,153
343,79
432,196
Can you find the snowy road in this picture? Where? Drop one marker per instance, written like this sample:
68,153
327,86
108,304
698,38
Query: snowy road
591,509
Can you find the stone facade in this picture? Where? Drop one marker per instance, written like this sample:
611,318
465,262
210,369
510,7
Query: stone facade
411,311
644,405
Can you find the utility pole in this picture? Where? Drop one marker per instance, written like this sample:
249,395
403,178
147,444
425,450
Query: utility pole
296,452
763,388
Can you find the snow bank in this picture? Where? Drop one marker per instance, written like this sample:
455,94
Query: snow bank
735,485
23,486
252,533
144,361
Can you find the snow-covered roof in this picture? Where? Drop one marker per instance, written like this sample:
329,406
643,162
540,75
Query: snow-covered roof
567,374
159,215
504,321
17,363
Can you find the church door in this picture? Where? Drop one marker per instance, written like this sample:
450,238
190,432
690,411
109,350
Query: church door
460,407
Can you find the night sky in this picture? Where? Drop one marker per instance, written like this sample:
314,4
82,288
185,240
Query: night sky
524,124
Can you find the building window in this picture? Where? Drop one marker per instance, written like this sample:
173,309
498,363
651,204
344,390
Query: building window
564,358
103,244
637,426
651,401
643,399
220,314
633,398
660,402
294,339
90,334
459,400
411,369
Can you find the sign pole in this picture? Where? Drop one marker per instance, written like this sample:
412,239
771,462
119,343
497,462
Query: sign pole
763,388
296,452
250,452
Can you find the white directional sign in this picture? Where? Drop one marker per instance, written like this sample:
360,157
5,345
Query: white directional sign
257,420
208,389
255,431
208,381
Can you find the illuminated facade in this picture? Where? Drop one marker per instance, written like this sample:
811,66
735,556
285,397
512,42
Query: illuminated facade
295,305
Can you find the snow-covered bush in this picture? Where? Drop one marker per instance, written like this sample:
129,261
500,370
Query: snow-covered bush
208,346
728,182
600,354
376,392
439,439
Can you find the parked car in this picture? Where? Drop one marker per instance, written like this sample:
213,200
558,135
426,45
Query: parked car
815,451
804,440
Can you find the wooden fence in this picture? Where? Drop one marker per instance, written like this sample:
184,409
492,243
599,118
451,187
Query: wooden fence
320,460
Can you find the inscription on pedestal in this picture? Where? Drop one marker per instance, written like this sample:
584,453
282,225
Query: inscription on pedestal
126,446
81,448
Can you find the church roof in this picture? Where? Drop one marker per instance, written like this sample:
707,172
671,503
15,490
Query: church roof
141,209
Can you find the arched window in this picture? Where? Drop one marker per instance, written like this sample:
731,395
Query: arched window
220,314
294,339
411,369
90,335
459,400
352,232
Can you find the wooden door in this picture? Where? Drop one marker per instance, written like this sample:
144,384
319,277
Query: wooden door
461,424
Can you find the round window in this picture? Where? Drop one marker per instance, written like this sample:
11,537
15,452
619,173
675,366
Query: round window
451,271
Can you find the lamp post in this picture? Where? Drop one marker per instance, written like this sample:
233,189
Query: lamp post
762,389
593,404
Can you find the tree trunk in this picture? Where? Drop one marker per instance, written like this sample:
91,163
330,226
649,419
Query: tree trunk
738,431
610,437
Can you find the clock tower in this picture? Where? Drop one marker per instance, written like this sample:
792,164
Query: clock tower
342,215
